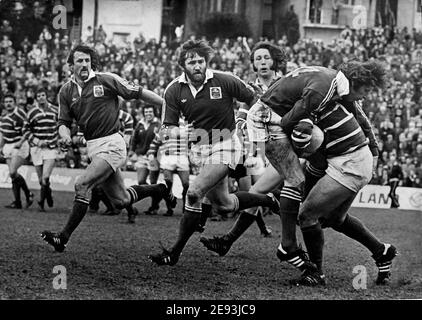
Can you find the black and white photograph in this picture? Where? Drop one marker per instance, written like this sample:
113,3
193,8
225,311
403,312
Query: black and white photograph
211,158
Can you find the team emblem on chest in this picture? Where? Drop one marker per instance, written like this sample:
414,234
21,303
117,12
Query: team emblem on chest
215,93
98,91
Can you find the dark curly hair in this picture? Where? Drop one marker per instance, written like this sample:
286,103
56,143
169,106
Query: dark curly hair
277,54
192,47
371,73
95,60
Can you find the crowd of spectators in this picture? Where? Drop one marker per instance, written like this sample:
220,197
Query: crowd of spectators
396,111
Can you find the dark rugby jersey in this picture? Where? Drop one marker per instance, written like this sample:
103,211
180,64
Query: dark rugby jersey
342,131
12,125
42,125
302,93
126,122
211,107
96,106
143,136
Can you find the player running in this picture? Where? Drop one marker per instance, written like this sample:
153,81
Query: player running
91,98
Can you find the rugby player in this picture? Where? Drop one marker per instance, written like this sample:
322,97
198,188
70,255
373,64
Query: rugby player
205,98
15,149
41,133
91,98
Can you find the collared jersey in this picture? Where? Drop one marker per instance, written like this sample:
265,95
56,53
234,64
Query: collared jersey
95,106
301,94
12,125
42,125
210,107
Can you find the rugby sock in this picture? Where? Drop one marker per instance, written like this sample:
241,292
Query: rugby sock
243,222
16,191
247,200
22,183
185,191
205,214
261,223
95,198
48,192
312,175
80,207
187,227
138,192
289,210
313,236
355,229
43,194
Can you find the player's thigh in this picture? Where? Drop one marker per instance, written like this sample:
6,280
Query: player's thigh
39,171
244,183
268,181
142,174
115,188
168,175
14,163
48,166
97,172
209,176
337,216
219,195
184,177
326,196
281,155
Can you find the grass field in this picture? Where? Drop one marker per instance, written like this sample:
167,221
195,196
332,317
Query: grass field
107,259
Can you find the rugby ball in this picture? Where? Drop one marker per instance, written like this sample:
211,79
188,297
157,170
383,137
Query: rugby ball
316,141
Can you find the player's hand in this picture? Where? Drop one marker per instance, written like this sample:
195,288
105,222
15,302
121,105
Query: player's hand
64,143
240,125
18,144
151,157
258,90
41,144
132,156
250,162
374,165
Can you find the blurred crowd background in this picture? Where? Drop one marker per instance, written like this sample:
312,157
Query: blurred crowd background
395,112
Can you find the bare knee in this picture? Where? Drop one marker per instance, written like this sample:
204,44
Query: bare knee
307,219
81,189
193,196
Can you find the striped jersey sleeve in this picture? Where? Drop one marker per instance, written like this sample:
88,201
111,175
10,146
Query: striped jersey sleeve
126,123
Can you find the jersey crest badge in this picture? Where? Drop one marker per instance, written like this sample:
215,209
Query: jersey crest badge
98,91
215,93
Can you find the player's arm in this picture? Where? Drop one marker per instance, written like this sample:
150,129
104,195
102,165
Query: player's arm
154,146
170,116
127,127
301,110
243,93
64,122
128,90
